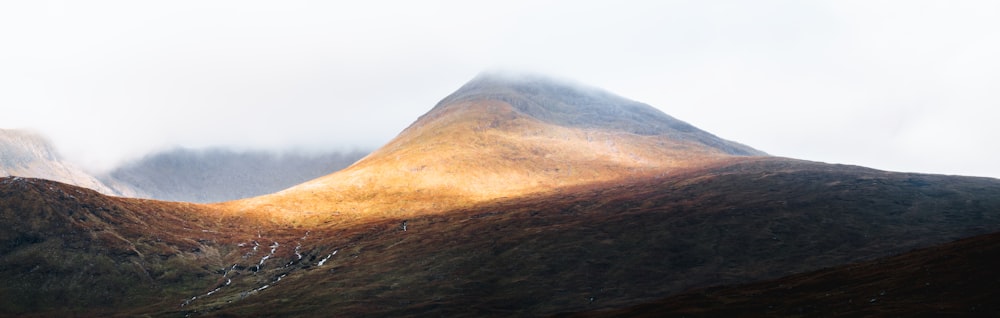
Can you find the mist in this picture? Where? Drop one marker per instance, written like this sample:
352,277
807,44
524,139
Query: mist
895,85
219,174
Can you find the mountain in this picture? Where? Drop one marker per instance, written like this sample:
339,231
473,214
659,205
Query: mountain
26,154
505,136
952,279
218,174
514,196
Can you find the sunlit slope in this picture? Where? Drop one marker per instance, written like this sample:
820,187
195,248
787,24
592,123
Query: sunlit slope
501,137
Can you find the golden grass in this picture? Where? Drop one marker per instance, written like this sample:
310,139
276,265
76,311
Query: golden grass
468,153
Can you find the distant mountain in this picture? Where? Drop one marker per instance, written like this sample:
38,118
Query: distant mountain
514,196
27,154
216,174
209,175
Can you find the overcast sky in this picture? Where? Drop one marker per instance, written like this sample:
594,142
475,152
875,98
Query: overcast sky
895,85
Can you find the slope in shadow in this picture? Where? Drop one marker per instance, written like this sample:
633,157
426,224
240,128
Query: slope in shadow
957,278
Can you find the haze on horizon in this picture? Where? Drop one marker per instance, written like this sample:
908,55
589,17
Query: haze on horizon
894,85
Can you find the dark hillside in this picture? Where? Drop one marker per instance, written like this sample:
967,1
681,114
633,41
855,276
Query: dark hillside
618,244
952,279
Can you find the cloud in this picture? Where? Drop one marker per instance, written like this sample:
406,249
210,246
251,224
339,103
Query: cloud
841,81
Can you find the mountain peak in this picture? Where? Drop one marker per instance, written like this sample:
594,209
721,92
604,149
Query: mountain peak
564,103
18,148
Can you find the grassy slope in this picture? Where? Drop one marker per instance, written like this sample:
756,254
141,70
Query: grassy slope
957,278
603,245
71,251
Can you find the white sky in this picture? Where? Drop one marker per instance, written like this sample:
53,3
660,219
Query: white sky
896,85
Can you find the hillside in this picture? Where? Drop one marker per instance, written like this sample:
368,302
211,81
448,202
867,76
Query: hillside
217,174
71,251
29,155
952,279
616,244
500,201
